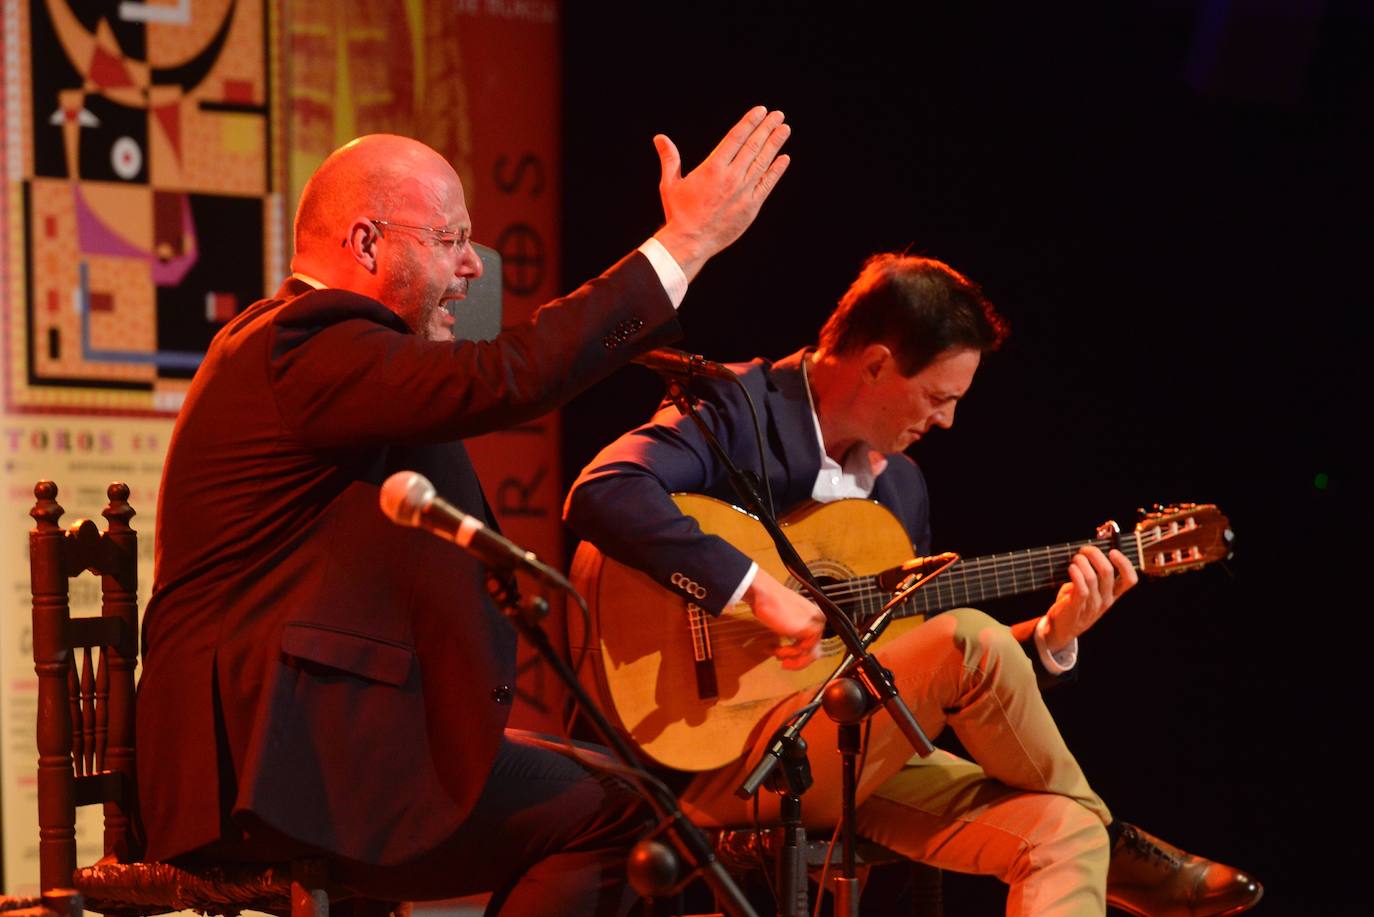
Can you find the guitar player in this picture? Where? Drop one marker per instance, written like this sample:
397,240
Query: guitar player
892,362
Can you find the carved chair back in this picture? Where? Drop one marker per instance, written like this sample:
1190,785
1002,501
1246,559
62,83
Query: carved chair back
85,669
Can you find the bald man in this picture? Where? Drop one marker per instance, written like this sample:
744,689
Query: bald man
320,681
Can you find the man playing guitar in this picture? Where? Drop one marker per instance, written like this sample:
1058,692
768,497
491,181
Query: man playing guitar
892,362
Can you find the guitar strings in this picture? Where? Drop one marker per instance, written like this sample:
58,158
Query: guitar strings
975,574
978,572
976,579
973,577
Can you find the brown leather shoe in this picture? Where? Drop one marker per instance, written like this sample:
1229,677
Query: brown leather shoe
1150,878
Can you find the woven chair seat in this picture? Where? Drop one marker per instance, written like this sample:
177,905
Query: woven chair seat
156,888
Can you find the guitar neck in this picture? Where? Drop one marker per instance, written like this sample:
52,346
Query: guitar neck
979,579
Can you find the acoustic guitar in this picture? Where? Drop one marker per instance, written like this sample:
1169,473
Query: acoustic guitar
688,687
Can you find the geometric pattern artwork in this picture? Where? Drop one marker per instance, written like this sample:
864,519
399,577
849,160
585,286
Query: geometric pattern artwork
144,184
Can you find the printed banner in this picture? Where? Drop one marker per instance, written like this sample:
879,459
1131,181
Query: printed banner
83,455
477,80
142,208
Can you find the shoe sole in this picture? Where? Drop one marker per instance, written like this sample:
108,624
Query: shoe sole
1231,913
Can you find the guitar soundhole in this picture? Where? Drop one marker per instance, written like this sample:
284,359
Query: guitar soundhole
836,580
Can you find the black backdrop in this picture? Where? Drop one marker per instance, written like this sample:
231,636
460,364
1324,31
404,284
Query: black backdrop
1171,202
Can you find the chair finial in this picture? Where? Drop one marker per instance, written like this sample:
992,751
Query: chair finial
46,510
118,512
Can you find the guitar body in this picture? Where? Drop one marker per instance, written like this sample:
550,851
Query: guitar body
690,689
642,651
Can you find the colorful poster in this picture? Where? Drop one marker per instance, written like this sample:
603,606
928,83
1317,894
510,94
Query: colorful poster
140,194
142,208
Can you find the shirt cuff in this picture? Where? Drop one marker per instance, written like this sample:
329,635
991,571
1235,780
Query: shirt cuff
1055,663
743,587
668,270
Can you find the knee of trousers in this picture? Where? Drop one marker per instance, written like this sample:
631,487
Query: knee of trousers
1065,836
985,642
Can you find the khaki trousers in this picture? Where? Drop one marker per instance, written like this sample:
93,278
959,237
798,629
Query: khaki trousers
1023,812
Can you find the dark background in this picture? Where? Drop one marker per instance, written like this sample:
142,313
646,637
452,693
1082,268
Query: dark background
1171,203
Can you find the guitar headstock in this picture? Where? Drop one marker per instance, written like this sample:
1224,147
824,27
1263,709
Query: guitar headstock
1181,537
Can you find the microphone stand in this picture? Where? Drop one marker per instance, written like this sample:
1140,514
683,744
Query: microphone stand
871,675
847,704
653,866
791,732
867,673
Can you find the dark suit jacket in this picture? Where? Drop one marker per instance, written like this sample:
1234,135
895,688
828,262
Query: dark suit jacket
621,502
307,663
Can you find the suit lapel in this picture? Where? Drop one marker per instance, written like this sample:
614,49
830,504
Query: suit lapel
794,427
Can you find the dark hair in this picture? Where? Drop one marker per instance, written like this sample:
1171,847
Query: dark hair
918,307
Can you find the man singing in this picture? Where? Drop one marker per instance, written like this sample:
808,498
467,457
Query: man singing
321,682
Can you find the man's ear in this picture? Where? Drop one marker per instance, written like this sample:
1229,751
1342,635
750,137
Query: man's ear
874,360
361,243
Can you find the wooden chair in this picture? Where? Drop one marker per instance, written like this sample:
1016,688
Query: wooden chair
86,743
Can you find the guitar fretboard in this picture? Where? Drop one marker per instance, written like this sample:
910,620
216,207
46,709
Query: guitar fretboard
975,580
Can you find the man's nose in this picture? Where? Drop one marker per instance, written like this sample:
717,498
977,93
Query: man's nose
469,263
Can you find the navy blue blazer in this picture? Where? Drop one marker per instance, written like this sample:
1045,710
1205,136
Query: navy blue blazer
621,500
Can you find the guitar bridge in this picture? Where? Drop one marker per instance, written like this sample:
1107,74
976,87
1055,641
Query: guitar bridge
698,621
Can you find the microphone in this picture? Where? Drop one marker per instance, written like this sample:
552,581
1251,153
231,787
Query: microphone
667,361
408,498
889,580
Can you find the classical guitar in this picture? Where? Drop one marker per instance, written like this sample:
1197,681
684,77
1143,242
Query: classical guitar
688,688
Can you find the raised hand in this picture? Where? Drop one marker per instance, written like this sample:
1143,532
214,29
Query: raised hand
711,206
790,616
1095,583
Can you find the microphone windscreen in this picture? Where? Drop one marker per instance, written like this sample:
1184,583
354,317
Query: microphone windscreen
405,495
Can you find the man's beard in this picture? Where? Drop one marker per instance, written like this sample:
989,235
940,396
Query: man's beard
435,328
432,325
409,290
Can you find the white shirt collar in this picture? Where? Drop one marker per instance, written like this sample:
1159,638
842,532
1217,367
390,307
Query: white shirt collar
862,463
309,281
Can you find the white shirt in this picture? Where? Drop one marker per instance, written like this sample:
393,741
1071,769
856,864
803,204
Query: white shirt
856,477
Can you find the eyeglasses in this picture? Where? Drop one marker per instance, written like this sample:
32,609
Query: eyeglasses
454,238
